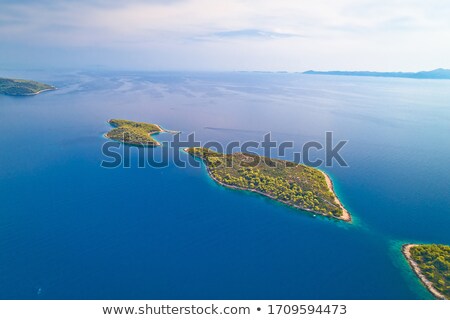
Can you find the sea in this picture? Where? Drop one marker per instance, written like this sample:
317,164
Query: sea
72,229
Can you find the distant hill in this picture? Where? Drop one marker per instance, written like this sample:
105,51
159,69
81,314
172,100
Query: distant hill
434,74
18,87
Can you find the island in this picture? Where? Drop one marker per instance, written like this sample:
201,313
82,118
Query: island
293,184
431,263
433,74
18,87
134,133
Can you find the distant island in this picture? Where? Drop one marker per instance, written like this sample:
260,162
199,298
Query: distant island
296,185
18,87
431,263
434,74
134,133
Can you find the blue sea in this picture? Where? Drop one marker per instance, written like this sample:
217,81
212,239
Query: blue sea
70,229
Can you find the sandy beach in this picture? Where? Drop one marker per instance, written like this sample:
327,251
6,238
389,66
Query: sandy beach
345,214
38,92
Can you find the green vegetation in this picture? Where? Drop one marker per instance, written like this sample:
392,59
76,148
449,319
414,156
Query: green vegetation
294,184
133,133
434,263
16,87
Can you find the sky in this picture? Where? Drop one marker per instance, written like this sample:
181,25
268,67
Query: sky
231,35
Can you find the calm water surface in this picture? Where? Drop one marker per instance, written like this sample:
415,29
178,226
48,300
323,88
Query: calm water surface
70,229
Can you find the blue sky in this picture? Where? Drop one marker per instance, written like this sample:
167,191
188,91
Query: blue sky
291,35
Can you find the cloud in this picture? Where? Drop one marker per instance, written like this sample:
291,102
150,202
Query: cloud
253,33
104,3
298,34
245,34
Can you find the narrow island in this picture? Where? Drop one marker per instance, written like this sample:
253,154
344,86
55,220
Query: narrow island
296,185
433,74
18,87
431,263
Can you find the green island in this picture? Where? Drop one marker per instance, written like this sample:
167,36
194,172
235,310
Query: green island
18,87
134,133
431,263
296,185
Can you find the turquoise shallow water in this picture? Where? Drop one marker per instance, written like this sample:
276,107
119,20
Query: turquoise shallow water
70,229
